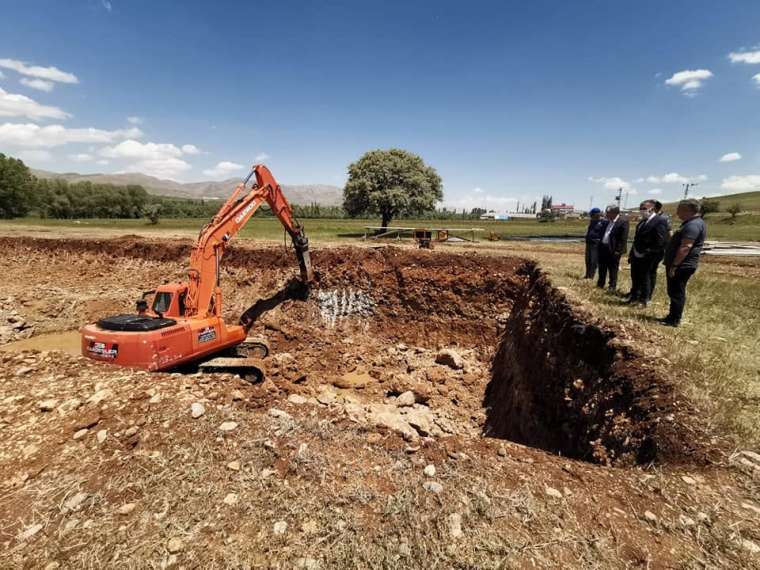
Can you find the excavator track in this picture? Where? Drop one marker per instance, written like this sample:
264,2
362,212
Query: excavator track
250,369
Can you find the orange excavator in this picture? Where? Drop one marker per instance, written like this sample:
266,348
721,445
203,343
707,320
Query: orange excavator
180,323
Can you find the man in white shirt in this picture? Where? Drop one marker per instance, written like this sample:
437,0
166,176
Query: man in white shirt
613,246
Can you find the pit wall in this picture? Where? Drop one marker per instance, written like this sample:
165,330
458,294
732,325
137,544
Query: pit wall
565,384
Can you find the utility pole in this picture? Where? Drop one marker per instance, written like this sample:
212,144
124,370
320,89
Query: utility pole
619,196
625,204
686,188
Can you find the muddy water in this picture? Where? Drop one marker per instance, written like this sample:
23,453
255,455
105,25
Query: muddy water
65,341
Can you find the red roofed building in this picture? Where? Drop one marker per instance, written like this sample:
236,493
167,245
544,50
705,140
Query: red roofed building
562,209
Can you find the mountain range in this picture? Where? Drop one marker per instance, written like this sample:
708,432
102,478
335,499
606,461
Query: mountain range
304,194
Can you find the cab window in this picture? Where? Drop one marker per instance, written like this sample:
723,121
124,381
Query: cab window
161,303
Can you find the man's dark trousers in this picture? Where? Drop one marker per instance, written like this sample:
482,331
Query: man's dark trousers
608,263
677,292
653,273
592,258
641,276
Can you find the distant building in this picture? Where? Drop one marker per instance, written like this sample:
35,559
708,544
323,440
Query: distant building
521,216
493,216
562,210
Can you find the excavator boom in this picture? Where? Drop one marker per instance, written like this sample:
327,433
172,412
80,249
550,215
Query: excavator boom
232,216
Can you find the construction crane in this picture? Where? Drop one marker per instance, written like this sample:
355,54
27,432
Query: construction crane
178,323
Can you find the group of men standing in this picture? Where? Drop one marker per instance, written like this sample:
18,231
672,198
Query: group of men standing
607,242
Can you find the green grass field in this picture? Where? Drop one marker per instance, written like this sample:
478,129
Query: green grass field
745,227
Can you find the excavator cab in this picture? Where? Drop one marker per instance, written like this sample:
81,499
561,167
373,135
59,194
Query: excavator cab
168,300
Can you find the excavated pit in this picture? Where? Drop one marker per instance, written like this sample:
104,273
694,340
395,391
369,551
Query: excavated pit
534,370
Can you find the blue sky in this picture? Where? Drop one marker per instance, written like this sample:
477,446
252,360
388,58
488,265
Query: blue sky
507,100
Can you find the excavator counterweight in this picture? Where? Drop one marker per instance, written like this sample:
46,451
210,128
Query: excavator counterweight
179,323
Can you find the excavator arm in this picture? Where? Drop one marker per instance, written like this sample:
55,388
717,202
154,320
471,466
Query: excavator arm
204,294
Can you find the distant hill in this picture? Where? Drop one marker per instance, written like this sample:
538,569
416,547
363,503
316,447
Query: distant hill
748,201
304,194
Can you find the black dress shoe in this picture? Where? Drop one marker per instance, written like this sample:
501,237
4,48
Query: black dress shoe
667,322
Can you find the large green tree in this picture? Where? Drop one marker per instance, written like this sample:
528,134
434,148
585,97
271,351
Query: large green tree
16,187
390,183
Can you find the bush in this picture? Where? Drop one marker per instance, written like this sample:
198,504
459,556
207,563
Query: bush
16,188
734,210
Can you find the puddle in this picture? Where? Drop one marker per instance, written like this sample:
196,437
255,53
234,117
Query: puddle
65,341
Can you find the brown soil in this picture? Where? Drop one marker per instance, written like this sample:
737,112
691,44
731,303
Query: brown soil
342,466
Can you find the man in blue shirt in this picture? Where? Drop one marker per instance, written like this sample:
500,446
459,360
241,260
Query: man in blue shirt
594,234
682,257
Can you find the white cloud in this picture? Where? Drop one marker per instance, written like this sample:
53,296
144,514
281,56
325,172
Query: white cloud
675,178
223,169
190,149
81,157
477,190
38,84
730,157
167,167
49,73
655,191
757,79
161,160
35,155
31,135
741,183
744,56
689,80
612,183
14,105
135,120
107,5
2,75
102,161
261,157
141,151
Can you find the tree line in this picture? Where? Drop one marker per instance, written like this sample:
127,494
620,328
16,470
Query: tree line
22,194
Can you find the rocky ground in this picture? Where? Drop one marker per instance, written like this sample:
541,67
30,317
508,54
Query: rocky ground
363,446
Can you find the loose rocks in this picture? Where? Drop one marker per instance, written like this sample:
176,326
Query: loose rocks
197,410
451,358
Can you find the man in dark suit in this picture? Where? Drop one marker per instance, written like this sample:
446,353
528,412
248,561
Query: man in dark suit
613,245
656,263
593,237
648,248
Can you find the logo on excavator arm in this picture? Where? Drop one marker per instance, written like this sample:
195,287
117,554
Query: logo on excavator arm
242,214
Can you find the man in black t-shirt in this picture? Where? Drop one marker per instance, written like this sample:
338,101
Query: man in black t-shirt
682,257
